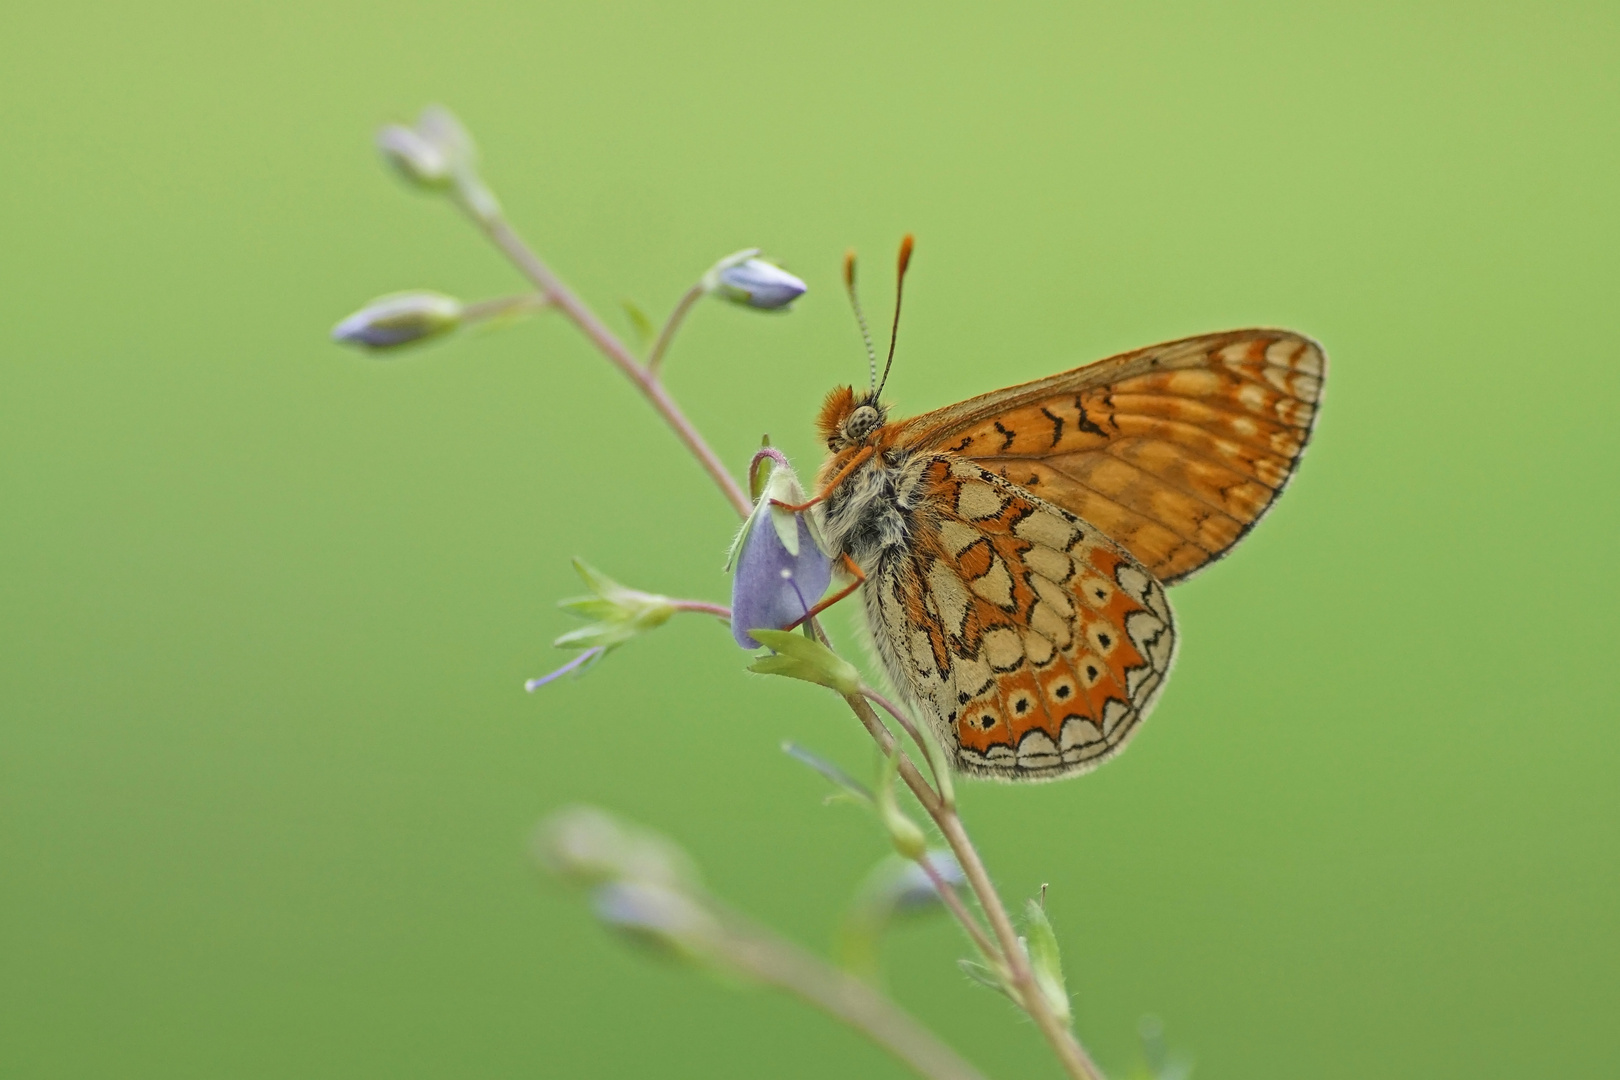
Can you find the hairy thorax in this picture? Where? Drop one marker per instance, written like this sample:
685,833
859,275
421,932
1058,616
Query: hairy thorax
872,513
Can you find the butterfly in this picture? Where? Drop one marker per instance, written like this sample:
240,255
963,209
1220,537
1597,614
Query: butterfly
1013,549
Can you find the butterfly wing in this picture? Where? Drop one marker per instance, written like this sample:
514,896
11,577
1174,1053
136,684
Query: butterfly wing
1175,451
1033,642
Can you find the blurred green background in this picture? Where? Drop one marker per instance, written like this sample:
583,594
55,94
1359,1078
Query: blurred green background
267,770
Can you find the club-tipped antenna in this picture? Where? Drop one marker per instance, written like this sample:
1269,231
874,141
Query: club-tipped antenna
899,291
860,317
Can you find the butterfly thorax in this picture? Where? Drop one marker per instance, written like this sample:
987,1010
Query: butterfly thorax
873,510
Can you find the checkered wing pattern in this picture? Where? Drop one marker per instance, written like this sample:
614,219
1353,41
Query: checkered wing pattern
1035,643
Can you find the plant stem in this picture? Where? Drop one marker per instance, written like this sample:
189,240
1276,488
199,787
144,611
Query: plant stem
780,963
604,339
835,997
655,358
947,894
480,310
703,607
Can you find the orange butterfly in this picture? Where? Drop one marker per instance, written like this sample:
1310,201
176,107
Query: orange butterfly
1015,547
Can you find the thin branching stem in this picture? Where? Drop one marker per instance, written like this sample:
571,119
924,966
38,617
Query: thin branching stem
1076,1062
774,960
524,258
655,358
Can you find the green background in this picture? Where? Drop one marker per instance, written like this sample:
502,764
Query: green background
267,770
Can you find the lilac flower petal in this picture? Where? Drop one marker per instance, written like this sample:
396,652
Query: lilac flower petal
573,665
762,596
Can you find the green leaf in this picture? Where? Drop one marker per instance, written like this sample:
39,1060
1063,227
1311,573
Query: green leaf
642,325
799,657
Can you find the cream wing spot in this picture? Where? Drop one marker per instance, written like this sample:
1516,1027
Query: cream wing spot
995,584
1038,751
1049,563
957,537
1054,594
973,678
1114,710
976,500
1078,733
1046,529
1038,648
950,596
1003,649
1049,624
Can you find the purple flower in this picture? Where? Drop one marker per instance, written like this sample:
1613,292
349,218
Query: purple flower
781,569
744,279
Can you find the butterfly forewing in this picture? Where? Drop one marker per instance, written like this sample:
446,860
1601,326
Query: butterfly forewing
1034,642
1174,451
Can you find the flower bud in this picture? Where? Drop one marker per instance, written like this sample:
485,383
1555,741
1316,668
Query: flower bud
908,839
620,613
660,917
1045,961
415,158
587,846
781,567
744,279
400,319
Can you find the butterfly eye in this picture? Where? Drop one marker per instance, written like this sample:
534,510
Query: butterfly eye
861,423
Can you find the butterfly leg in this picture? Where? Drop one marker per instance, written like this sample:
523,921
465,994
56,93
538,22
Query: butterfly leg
860,579
843,474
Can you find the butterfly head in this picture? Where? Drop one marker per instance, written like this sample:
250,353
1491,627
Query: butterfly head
850,417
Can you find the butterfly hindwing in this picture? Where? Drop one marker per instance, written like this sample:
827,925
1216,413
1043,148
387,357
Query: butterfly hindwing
1174,451
1034,642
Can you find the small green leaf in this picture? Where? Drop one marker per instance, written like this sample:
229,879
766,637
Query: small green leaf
799,657
642,325
984,976
1045,960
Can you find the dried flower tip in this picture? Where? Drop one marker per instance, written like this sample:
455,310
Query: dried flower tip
400,319
587,846
414,157
743,278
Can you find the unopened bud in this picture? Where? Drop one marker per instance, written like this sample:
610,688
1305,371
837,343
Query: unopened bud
908,839
400,319
660,917
588,846
415,158
745,279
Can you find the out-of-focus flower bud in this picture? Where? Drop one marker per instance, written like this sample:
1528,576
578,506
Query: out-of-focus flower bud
895,889
587,846
663,918
415,158
744,278
400,319
437,154
908,839
781,566
1040,944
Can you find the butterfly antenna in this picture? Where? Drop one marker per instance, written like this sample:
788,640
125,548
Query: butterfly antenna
860,317
899,291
